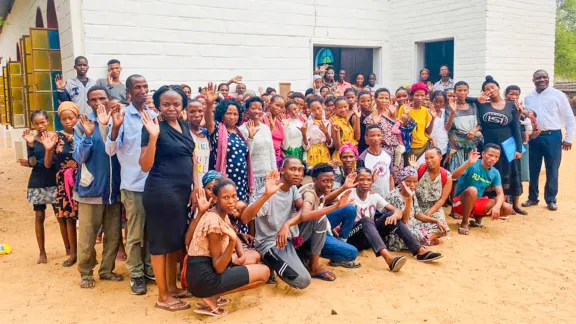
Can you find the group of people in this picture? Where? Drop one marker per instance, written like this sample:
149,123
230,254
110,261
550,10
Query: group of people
233,189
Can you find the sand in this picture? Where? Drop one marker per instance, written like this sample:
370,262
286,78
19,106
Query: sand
516,271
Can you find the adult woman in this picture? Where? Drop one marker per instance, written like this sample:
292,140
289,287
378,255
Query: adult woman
346,165
401,96
199,134
295,129
260,145
500,120
425,78
358,82
462,126
351,99
422,116
424,228
229,149
274,117
384,118
210,254
224,90
167,154
329,80
434,188
187,90
439,134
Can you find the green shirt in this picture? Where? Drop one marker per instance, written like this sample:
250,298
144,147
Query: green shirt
478,177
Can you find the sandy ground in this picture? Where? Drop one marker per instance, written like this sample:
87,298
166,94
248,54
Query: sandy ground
516,271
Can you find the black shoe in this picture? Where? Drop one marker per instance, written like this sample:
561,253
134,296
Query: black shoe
429,256
149,278
138,286
552,206
529,203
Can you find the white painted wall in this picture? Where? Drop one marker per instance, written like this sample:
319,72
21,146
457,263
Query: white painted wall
193,41
520,40
23,16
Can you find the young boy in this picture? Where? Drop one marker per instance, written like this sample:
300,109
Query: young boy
474,177
76,89
375,159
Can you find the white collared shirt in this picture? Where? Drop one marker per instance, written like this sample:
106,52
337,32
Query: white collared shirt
553,111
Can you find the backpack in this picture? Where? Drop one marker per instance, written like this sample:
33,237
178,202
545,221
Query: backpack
443,173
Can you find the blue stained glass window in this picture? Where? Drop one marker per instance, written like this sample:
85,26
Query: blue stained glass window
324,56
54,39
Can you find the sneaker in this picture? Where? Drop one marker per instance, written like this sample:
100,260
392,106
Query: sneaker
138,286
149,278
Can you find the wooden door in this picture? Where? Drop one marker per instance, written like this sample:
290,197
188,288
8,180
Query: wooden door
437,54
357,60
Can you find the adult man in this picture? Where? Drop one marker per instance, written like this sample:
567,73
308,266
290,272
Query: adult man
341,83
124,141
474,176
116,88
96,190
445,81
76,89
273,214
552,110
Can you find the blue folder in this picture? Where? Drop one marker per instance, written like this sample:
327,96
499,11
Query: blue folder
509,147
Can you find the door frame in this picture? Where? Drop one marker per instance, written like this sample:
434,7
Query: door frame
419,50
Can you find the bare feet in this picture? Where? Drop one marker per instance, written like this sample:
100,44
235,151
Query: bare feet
42,258
180,293
70,262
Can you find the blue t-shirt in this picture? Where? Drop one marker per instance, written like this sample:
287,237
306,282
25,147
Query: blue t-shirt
480,178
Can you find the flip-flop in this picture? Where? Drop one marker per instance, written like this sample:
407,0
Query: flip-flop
220,302
520,211
398,263
474,223
173,306
455,216
325,275
463,231
216,312
185,294
429,256
503,217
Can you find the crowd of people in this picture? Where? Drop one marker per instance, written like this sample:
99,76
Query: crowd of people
224,191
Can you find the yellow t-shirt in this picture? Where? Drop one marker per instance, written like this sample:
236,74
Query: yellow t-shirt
422,118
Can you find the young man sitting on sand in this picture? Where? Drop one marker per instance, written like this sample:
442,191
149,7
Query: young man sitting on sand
474,176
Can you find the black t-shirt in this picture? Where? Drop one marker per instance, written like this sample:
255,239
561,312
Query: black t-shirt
40,176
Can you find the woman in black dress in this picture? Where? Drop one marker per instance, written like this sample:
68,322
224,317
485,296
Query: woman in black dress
499,120
167,148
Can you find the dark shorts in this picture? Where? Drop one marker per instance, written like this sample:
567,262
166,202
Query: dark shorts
41,207
204,282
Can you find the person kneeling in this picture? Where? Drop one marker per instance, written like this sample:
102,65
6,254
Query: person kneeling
368,232
210,254
474,177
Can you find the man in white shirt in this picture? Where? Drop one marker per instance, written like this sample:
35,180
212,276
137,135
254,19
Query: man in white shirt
445,81
553,112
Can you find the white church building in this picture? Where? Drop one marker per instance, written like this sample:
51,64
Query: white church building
268,42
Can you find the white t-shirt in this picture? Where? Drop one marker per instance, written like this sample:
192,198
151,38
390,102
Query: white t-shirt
382,164
439,133
369,206
201,154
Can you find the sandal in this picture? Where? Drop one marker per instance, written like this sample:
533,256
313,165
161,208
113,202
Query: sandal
112,277
87,283
397,263
474,223
173,306
183,294
454,215
325,275
346,264
220,302
463,231
429,256
520,211
216,312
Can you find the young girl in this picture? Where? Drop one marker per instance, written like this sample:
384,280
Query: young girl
210,254
384,116
439,134
42,187
199,134
401,97
365,104
59,152
274,117
358,82
343,132
295,129
318,137
329,107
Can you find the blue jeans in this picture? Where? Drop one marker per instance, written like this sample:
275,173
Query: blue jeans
337,251
344,216
547,146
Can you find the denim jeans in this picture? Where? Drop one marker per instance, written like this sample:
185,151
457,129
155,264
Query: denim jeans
337,251
547,146
344,216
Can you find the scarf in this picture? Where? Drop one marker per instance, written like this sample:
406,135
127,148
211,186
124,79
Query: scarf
221,153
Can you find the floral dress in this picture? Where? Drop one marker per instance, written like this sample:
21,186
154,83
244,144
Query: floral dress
236,168
317,150
67,168
346,133
428,193
393,241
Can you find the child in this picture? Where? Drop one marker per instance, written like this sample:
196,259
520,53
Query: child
375,158
59,152
365,104
403,129
295,129
343,132
42,184
317,135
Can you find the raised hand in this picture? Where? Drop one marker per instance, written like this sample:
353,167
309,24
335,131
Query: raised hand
237,79
109,77
103,115
350,181
336,128
473,157
408,192
375,175
272,182
48,141
335,163
452,104
150,124
202,203
433,112
345,200
211,93
87,125
323,128
303,129
483,98
407,106
117,116
412,161
252,128
60,82
519,106
28,137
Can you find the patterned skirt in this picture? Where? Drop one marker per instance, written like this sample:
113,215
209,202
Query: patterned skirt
42,196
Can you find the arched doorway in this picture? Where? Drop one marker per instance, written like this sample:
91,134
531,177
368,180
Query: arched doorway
39,19
51,15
